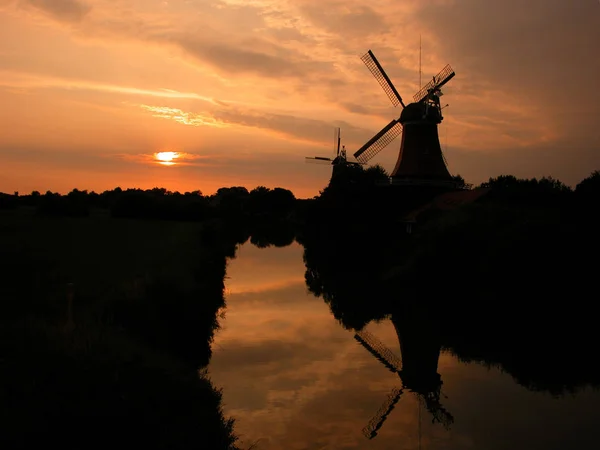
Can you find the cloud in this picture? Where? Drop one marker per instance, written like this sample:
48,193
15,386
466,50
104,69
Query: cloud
25,81
181,159
185,118
298,128
235,60
344,17
543,58
62,10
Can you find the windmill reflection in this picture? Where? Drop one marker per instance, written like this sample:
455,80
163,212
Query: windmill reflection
417,369
335,272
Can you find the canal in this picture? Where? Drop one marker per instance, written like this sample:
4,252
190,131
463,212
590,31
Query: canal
293,377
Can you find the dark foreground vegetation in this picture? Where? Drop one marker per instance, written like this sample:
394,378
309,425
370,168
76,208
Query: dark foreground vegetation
109,302
508,280
104,325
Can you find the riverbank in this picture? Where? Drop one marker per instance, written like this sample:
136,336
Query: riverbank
104,326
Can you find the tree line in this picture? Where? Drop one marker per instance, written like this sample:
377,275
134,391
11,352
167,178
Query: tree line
351,192
159,203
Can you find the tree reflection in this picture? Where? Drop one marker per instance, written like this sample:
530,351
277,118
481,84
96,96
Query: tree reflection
503,283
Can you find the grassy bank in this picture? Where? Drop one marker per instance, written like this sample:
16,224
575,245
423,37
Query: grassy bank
120,365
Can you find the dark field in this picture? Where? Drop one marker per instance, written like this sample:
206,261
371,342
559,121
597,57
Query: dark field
122,363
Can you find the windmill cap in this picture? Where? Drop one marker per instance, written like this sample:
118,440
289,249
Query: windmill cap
415,112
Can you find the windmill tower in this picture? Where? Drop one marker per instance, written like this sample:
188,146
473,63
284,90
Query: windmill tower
420,161
417,371
338,159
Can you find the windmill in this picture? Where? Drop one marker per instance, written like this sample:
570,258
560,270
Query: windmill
339,154
427,386
420,160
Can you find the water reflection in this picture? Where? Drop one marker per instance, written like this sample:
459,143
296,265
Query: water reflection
420,348
294,378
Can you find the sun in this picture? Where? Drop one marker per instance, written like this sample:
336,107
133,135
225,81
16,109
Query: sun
166,158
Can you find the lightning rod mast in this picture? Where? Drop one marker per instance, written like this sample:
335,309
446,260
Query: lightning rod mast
420,84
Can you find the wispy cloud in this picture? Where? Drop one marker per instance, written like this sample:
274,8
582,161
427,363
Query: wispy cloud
185,118
297,128
10,79
181,159
62,10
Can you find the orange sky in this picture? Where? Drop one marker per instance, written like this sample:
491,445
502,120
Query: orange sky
90,89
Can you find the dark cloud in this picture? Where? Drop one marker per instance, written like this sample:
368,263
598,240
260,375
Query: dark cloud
62,10
537,57
288,34
278,296
273,353
51,156
234,59
539,50
342,17
355,108
238,57
313,130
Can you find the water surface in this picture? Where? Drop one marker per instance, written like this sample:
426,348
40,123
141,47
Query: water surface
294,378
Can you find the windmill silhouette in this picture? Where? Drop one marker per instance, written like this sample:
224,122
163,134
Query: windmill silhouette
417,371
338,158
420,160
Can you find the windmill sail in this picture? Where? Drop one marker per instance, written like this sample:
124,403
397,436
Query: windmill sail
379,141
370,431
379,350
445,75
380,75
436,409
318,160
431,398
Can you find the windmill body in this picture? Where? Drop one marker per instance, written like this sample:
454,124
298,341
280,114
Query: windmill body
420,160
420,348
420,156
339,158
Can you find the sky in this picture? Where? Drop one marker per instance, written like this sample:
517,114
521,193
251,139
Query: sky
244,90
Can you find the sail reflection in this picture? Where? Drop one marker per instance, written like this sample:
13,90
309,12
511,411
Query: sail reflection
418,374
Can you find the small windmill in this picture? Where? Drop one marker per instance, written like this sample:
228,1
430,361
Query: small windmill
427,394
420,157
339,154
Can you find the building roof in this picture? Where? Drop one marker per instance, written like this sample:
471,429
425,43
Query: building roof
448,201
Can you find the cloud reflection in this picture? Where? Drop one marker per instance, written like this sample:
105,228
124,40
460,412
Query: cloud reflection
293,378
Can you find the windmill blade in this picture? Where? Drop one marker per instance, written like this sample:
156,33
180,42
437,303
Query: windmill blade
376,422
439,413
380,75
318,160
379,141
379,350
336,141
445,75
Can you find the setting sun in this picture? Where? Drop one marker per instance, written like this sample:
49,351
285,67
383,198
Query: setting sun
166,158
